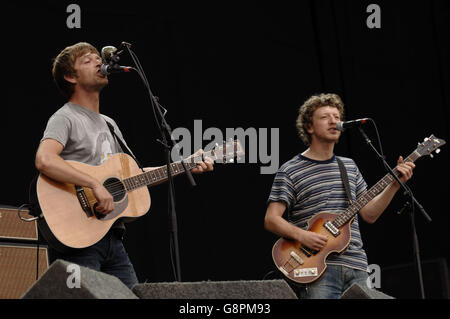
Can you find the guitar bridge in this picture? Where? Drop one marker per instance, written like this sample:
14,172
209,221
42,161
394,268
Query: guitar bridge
297,258
82,198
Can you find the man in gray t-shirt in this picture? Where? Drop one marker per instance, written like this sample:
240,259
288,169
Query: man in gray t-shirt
77,131
84,134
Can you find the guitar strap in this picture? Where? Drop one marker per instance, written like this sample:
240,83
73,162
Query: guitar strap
122,144
344,177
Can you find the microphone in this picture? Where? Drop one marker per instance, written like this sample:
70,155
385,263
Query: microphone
110,54
107,69
110,57
341,126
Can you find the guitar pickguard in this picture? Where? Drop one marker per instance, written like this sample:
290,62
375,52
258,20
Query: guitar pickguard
119,207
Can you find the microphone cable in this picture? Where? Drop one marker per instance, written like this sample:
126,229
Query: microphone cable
378,137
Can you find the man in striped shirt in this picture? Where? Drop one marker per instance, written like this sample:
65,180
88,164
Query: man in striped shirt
311,183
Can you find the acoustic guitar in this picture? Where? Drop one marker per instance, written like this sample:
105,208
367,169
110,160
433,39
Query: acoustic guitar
70,220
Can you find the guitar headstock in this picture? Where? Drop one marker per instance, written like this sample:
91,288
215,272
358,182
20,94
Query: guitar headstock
429,145
229,152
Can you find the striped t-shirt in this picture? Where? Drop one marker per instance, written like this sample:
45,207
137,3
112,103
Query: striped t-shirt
308,187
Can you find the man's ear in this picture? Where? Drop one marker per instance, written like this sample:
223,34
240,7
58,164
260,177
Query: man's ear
308,128
70,79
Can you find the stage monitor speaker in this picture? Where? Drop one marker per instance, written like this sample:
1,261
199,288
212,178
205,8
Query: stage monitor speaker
12,227
266,289
18,268
357,291
60,282
402,281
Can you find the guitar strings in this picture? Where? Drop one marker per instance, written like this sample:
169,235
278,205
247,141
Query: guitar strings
164,173
119,184
119,187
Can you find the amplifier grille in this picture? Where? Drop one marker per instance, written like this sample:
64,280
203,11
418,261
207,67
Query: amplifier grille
18,268
11,226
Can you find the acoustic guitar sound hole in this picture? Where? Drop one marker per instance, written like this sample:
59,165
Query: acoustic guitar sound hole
116,188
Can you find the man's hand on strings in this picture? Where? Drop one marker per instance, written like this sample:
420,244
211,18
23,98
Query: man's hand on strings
405,169
204,165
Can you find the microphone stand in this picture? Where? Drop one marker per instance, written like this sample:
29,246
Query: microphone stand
410,207
164,128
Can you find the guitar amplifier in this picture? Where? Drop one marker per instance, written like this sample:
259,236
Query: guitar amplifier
18,269
12,227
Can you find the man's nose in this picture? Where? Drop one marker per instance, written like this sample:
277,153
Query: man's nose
333,120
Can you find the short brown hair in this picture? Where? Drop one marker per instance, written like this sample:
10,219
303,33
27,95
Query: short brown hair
64,63
306,111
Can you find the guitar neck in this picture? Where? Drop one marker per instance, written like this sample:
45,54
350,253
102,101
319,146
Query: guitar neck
226,152
159,175
368,195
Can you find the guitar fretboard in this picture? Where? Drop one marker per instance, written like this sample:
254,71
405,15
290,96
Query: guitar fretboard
368,195
225,152
159,174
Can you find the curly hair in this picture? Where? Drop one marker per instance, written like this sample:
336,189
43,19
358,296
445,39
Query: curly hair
306,111
64,63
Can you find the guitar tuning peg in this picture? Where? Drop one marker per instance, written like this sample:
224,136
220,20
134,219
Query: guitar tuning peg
425,139
431,155
438,151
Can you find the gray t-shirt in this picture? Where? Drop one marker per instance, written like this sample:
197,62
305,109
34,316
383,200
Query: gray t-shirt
84,134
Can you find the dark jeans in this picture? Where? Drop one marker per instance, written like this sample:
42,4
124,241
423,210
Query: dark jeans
108,256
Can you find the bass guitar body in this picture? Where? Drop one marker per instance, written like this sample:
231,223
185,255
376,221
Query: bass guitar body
302,264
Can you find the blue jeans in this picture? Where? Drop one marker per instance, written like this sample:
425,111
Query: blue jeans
332,284
108,256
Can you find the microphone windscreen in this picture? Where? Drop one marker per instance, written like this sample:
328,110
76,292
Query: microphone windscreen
107,52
